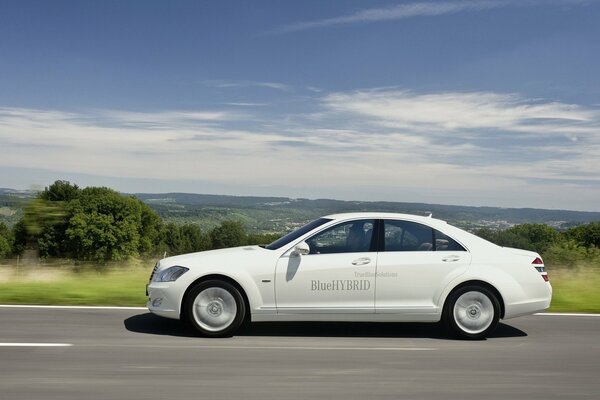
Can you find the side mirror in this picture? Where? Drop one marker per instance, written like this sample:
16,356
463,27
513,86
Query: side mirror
301,249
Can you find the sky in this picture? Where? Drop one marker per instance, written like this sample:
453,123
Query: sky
485,103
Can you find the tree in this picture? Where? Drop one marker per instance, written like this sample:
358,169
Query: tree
228,234
60,191
587,235
104,225
539,235
149,231
170,240
41,227
94,224
6,241
194,239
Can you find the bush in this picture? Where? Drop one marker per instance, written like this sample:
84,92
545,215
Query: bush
182,239
228,234
571,254
587,235
535,237
263,238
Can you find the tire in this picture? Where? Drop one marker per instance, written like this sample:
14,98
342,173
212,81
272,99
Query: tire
215,308
472,312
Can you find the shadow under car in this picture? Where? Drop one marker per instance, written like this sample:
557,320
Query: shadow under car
149,323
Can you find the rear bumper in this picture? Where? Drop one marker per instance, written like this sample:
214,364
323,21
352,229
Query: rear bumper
530,306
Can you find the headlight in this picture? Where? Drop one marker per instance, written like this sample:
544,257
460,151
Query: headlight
170,274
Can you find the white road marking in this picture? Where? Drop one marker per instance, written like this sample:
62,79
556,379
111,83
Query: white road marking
35,344
266,347
71,307
318,348
568,314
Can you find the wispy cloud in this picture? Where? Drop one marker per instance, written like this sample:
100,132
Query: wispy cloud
246,104
466,112
240,84
418,9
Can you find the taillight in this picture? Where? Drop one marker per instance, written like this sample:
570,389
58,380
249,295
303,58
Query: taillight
539,265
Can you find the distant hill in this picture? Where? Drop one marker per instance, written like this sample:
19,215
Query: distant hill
278,214
282,214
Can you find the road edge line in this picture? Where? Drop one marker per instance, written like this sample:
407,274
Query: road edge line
71,307
558,314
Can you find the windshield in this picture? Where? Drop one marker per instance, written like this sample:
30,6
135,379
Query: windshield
297,233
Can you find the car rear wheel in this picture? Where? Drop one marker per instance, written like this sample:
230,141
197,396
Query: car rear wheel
215,308
472,312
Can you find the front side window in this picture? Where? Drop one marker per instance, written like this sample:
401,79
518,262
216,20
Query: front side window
347,237
297,233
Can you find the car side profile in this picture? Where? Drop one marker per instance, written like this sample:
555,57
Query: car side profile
368,267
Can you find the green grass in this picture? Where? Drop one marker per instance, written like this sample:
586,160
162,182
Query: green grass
48,285
575,289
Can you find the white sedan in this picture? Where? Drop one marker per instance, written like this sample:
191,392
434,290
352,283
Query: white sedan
375,267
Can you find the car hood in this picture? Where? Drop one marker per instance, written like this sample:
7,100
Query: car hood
229,257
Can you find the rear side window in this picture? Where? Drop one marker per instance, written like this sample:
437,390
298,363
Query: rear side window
446,243
412,236
407,236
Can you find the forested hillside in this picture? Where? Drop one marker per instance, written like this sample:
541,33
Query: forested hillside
279,214
99,224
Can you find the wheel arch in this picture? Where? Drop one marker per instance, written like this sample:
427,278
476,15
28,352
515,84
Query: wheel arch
477,282
219,277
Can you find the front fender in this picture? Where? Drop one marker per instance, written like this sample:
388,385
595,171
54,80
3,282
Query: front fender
242,278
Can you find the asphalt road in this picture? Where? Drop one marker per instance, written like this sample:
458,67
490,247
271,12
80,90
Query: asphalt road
130,354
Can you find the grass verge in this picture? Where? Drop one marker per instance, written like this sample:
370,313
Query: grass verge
575,290
61,286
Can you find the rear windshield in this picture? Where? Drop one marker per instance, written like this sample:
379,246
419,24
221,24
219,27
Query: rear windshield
297,233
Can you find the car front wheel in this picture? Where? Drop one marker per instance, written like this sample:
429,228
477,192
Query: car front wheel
215,308
472,312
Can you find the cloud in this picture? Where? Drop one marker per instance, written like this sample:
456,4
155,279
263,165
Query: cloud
468,112
241,84
514,141
246,104
418,9
461,147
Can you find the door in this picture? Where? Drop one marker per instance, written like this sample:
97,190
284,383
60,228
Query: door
337,276
415,264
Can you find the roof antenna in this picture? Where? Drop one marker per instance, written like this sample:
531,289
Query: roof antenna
430,215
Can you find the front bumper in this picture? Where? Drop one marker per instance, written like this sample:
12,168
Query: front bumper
163,299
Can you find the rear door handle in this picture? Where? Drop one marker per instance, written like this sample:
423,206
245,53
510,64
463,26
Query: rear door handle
361,261
451,258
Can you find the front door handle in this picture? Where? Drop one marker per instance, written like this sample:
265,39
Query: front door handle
451,258
361,261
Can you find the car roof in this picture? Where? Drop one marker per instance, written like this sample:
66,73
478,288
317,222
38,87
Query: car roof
384,215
